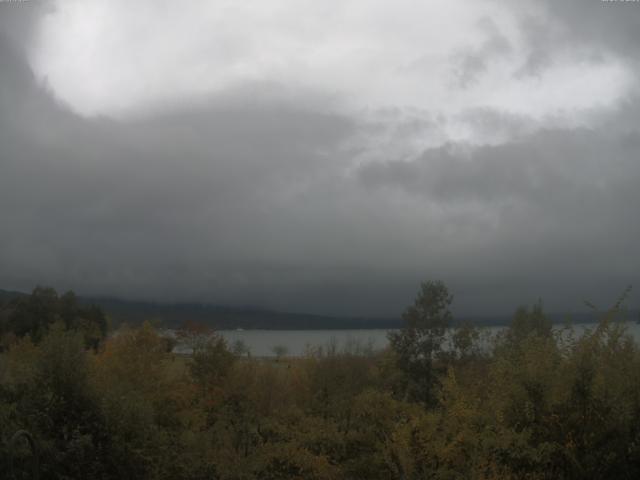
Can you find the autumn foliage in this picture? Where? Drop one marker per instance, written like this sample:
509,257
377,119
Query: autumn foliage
532,402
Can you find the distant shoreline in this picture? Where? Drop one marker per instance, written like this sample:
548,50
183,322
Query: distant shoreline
173,315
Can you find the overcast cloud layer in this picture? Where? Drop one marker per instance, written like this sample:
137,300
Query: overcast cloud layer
322,156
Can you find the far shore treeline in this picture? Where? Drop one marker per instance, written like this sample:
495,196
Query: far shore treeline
530,402
173,315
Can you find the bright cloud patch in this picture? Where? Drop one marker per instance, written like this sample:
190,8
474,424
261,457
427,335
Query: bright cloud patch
114,57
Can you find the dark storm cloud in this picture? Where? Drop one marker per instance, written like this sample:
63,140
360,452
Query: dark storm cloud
243,201
558,204
226,202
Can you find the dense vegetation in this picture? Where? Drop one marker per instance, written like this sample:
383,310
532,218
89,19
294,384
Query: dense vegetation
533,402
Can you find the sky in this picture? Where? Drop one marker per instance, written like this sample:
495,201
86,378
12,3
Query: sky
322,157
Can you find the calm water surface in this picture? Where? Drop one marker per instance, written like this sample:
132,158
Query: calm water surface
296,342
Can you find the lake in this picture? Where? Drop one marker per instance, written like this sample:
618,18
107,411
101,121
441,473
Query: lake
297,342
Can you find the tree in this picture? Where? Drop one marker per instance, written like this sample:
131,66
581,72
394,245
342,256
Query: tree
139,400
419,342
34,314
241,348
46,391
211,362
279,351
465,341
528,322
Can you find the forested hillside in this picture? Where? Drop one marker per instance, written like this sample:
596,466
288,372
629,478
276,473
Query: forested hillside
173,315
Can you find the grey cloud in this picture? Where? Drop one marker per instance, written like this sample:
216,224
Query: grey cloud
543,41
555,204
17,19
238,201
615,25
494,124
469,64
590,30
139,206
